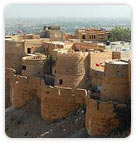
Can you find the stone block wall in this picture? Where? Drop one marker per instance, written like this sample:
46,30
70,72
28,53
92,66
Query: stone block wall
34,65
57,103
14,51
21,89
57,35
72,69
34,44
101,118
49,47
109,113
115,84
96,77
9,76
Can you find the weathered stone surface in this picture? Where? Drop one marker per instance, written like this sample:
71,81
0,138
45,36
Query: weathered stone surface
100,118
116,83
74,71
57,102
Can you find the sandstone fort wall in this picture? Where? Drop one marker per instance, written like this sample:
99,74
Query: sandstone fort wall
101,117
14,51
115,85
9,76
33,65
57,103
71,69
21,89
96,78
49,47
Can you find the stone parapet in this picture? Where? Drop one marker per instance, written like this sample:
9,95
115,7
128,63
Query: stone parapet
57,103
102,117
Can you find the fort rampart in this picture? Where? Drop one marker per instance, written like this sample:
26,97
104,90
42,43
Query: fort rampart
102,117
22,89
57,102
71,69
14,52
33,65
115,84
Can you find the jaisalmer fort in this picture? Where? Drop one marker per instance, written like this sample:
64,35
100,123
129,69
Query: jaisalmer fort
67,85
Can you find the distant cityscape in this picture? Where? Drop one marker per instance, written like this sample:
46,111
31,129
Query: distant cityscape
35,25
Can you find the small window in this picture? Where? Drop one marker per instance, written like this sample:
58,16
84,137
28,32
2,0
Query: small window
29,50
23,67
60,81
83,36
90,36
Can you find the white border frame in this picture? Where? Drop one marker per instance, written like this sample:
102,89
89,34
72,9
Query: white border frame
3,137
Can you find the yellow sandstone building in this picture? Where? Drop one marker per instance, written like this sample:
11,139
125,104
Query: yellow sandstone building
62,73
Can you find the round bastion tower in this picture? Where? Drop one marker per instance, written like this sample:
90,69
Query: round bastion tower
71,69
33,65
115,85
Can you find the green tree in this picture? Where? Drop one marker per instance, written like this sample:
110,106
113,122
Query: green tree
120,34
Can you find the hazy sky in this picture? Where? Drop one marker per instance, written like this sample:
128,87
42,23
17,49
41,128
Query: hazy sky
24,11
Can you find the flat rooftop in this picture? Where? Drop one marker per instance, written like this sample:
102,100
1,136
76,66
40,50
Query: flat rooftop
119,62
35,57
